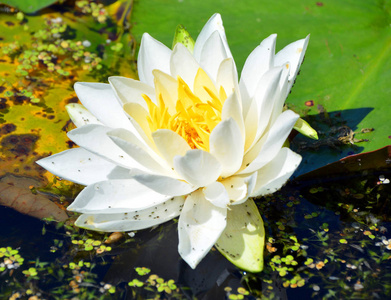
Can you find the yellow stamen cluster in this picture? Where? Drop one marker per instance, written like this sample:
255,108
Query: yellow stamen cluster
195,114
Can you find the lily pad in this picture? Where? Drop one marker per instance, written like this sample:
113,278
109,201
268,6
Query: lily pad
373,161
347,67
29,6
41,58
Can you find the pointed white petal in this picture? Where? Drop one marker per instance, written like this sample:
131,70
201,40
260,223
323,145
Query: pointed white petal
136,149
258,63
100,100
216,194
212,54
199,227
94,139
227,145
269,145
170,144
275,174
213,24
197,167
152,55
167,86
232,109
281,95
183,64
163,184
202,82
137,115
251,118
240,187
294,54
80,115
115,196
134,220
129,90
266,96
81,166
227,76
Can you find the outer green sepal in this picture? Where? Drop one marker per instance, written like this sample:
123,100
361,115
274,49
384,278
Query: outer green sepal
243,240
183,36
305,129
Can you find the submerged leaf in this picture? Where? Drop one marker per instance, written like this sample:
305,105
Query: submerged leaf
243,240
15,194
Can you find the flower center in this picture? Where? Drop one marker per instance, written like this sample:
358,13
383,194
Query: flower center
194,115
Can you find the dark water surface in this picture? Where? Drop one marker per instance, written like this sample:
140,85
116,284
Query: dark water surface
324,240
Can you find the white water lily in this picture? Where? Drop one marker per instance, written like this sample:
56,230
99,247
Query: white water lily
188,139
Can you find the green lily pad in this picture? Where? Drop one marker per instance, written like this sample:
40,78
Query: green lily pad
41,58
28,6
347,69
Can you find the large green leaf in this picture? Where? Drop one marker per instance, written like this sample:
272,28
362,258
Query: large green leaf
347,69
28,6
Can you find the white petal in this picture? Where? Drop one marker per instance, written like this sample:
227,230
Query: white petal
213,24
274,175
227,76
232,109
281,95
80,115
81,166
258,63
136,149
251,118
212,54
265,97
216,194
197,167
100,100
129,90
170,144
183,64
163,184
294,54
94,138
167,86
152,55
137,115
269,145
115,196
227,145
240,187
200,225
129,221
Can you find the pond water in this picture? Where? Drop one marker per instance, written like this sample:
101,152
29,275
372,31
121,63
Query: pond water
324,240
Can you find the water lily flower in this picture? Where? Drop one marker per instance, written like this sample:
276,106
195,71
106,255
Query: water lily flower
188,139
